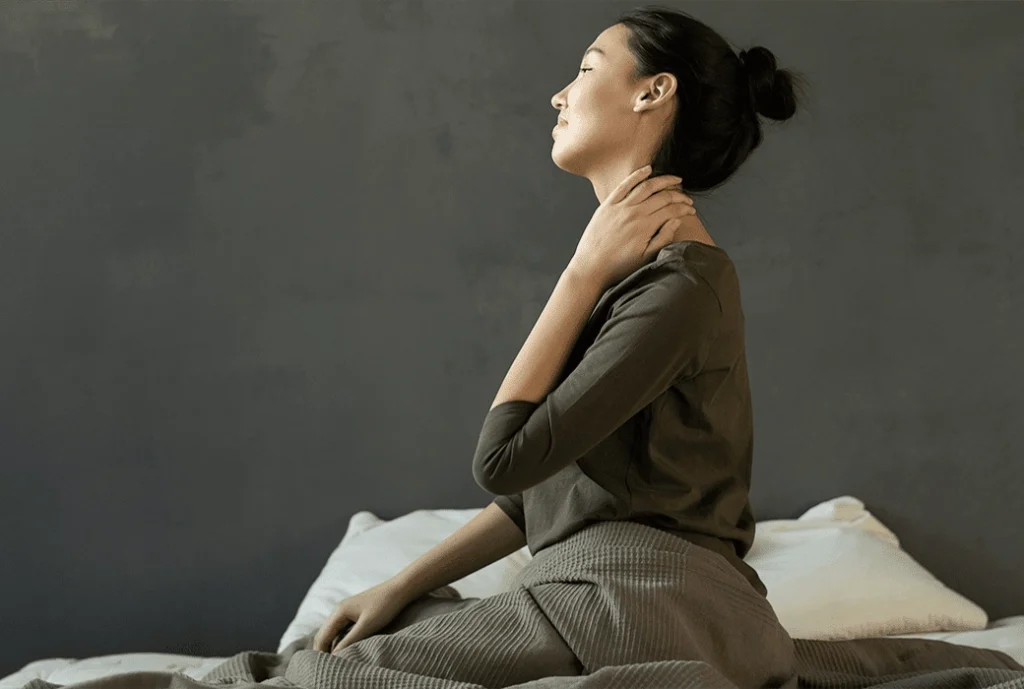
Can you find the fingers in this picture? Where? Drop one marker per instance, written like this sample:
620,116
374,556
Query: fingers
670,201
627,185
673,195
683,209
664,236
670,213
651,189
674,191
677,193
329,630
319,641
346,637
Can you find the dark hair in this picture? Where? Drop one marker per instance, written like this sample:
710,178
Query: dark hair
720,94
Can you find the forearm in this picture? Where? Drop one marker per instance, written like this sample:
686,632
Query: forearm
535,369
486,538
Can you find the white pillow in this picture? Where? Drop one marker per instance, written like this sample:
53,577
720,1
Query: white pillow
834,573
374,549
839,573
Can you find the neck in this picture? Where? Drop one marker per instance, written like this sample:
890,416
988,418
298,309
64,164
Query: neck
692,229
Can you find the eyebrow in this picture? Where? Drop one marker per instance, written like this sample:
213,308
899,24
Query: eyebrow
594,50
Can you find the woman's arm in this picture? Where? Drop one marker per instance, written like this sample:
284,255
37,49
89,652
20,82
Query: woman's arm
494,534
486,538
535,369
661,330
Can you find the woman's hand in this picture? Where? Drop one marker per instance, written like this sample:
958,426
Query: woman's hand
370,611
631,225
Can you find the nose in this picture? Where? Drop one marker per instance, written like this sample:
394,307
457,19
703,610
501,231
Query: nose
556,101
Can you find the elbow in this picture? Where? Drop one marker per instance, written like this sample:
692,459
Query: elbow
491,472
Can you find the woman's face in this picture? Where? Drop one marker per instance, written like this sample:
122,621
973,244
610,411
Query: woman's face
613,124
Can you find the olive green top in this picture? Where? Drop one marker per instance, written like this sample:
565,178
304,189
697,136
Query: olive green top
649,421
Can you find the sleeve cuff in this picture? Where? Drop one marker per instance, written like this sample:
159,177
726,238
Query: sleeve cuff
513,508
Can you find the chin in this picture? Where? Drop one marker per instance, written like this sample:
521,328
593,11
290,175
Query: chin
566,163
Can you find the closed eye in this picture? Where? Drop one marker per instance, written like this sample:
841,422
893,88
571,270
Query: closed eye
586,69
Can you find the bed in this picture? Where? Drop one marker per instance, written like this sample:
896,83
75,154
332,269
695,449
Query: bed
835,572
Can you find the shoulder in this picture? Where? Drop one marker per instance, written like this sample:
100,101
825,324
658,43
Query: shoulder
672,285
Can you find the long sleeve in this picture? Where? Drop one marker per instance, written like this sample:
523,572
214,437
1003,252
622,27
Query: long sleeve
659,332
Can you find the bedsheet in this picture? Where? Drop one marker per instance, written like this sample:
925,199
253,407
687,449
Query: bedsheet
1006,635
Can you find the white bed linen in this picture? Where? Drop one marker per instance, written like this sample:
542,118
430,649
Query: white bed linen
1006,635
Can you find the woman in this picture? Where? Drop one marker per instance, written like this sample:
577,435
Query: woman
619,444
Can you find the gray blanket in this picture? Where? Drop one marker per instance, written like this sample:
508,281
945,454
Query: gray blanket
617,605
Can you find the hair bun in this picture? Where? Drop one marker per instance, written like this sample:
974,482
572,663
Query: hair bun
771,89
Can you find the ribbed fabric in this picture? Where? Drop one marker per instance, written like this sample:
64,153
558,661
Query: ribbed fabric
617,605
624,593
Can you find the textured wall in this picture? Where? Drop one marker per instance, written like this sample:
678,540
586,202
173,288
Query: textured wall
265,264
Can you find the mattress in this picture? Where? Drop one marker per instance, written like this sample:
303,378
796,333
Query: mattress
1005,634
